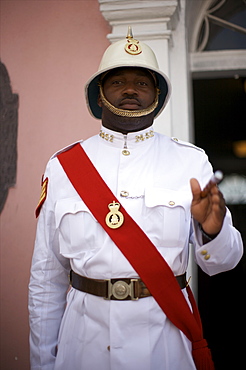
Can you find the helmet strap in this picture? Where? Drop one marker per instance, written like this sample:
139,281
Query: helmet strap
127,112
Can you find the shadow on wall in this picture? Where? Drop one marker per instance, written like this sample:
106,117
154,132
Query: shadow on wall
8,135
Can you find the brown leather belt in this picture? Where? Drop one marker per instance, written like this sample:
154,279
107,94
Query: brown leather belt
122,289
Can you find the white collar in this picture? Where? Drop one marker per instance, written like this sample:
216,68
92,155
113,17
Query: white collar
128,141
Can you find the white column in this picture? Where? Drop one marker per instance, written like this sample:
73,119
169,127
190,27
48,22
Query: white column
182,108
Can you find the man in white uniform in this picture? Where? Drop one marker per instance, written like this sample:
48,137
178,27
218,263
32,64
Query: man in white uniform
87,329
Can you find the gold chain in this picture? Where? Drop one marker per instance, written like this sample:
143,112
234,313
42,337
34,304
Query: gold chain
126,112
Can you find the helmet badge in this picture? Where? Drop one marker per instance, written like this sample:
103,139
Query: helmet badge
132,46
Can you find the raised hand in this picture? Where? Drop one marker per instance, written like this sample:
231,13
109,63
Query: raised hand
208,210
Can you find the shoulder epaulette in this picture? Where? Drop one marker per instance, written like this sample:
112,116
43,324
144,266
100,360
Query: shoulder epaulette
43,195
65,149
186,143
44,182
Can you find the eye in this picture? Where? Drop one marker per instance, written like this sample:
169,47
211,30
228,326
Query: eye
117,82
142,83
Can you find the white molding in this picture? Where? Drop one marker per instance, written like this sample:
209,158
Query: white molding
150,19
224,60
118,10
153,29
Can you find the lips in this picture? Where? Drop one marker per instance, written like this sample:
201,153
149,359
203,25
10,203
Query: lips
127,103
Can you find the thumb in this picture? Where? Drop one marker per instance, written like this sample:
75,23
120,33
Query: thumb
195,188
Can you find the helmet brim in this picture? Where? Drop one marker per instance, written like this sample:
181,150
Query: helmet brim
92,90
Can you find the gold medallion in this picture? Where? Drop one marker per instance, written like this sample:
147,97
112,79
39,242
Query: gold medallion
133,47
114,218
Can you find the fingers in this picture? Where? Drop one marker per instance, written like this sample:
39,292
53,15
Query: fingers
195,188
211,188
216,212
207,189
216,178
218,201
210,210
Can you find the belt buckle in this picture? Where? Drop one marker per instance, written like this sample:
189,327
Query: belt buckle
120,290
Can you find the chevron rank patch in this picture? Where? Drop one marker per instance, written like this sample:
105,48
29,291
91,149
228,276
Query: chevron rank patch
43,196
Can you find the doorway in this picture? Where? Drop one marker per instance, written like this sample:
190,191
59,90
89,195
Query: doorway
220,129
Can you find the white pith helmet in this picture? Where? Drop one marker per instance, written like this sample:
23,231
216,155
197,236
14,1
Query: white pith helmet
127,53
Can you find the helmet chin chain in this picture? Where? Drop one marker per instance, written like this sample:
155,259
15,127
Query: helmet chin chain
127,112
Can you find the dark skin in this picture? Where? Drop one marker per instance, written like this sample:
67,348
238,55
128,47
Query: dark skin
134,89
131,89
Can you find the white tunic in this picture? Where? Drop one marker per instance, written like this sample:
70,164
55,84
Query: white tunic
94,333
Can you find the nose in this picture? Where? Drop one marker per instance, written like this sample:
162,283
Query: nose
129,88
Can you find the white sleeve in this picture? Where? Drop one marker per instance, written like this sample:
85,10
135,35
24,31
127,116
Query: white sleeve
222,253
47,288
225,251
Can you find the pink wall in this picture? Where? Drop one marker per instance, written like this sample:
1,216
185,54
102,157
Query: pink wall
50,49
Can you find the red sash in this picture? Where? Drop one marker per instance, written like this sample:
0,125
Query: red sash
140,252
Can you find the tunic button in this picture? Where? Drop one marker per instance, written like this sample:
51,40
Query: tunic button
171,203
124,193
108,348
204,252
125,152
207,257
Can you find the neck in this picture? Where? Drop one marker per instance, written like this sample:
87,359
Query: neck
126,125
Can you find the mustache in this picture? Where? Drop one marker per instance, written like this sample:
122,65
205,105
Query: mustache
129,99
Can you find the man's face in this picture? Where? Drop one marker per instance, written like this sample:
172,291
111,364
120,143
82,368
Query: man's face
130,89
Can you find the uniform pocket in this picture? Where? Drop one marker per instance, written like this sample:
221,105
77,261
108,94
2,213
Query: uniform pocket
77,227
167,215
